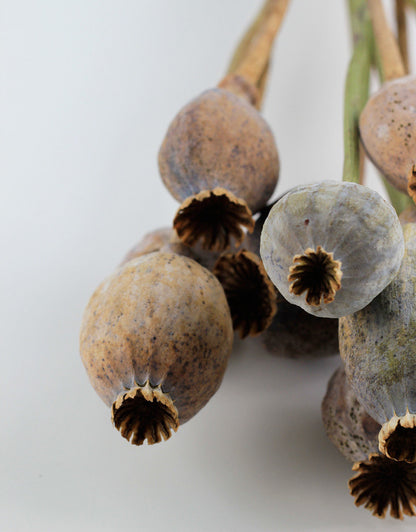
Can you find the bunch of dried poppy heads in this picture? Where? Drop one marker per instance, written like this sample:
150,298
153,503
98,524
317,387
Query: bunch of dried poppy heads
156,335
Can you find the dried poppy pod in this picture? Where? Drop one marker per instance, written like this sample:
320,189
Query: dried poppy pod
155,341
388,132
294,333
220,159
250,293
166,240
378,482
378,345
331,247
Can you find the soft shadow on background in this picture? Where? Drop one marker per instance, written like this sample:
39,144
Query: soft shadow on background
87,92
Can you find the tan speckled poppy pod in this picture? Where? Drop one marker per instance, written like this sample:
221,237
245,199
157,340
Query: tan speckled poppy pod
378,482
388,132
220,159
155,341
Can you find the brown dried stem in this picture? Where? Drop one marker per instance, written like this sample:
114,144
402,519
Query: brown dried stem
144,412
380,483
251,295
402,32
388,49
317,273
258,51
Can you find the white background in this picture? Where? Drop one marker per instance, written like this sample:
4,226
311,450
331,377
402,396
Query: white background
87,89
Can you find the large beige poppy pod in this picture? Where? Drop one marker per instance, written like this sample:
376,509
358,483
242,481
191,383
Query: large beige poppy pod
378,482
378,345
331,247
155,341
388,132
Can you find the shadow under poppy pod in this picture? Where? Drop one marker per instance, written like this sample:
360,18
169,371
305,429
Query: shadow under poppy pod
219,157
378,346
378,482
155,341
331,247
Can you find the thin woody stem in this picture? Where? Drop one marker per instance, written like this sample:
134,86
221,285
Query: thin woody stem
391,60
356,89
258,52
402,32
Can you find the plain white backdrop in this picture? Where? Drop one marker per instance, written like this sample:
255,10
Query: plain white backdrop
87,90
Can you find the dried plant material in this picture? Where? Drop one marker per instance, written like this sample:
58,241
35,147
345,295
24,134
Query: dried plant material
401,25
397,438
155,341
381,483
317,273
213,216
144,413
250,293
388,49
411,183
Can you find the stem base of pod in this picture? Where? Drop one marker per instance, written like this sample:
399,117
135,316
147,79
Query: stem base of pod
144,413
380,483
214,216
239,86
250,293
397,438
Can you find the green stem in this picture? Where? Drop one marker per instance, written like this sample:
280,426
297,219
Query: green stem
411,3
356,87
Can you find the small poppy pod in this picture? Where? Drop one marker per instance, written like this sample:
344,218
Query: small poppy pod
293,333
155,341
388,132
166,240
378,482
220,159
378,346
331,247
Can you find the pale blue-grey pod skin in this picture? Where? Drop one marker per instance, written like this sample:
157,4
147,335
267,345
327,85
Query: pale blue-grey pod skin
378,346
352,222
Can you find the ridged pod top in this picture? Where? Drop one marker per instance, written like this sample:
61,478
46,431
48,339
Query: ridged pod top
356,228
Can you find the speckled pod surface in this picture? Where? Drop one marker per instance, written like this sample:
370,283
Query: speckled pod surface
220,140
388,129
378,346
160,319
350,221
353,432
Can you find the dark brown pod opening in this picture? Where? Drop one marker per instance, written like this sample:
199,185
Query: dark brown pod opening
411,183
397,438
144,413
317,273
380,483
250,294
214,216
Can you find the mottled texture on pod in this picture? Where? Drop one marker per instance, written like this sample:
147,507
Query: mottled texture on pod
331,247
220,140
388,130
378,346
378,482
156,332
353,432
